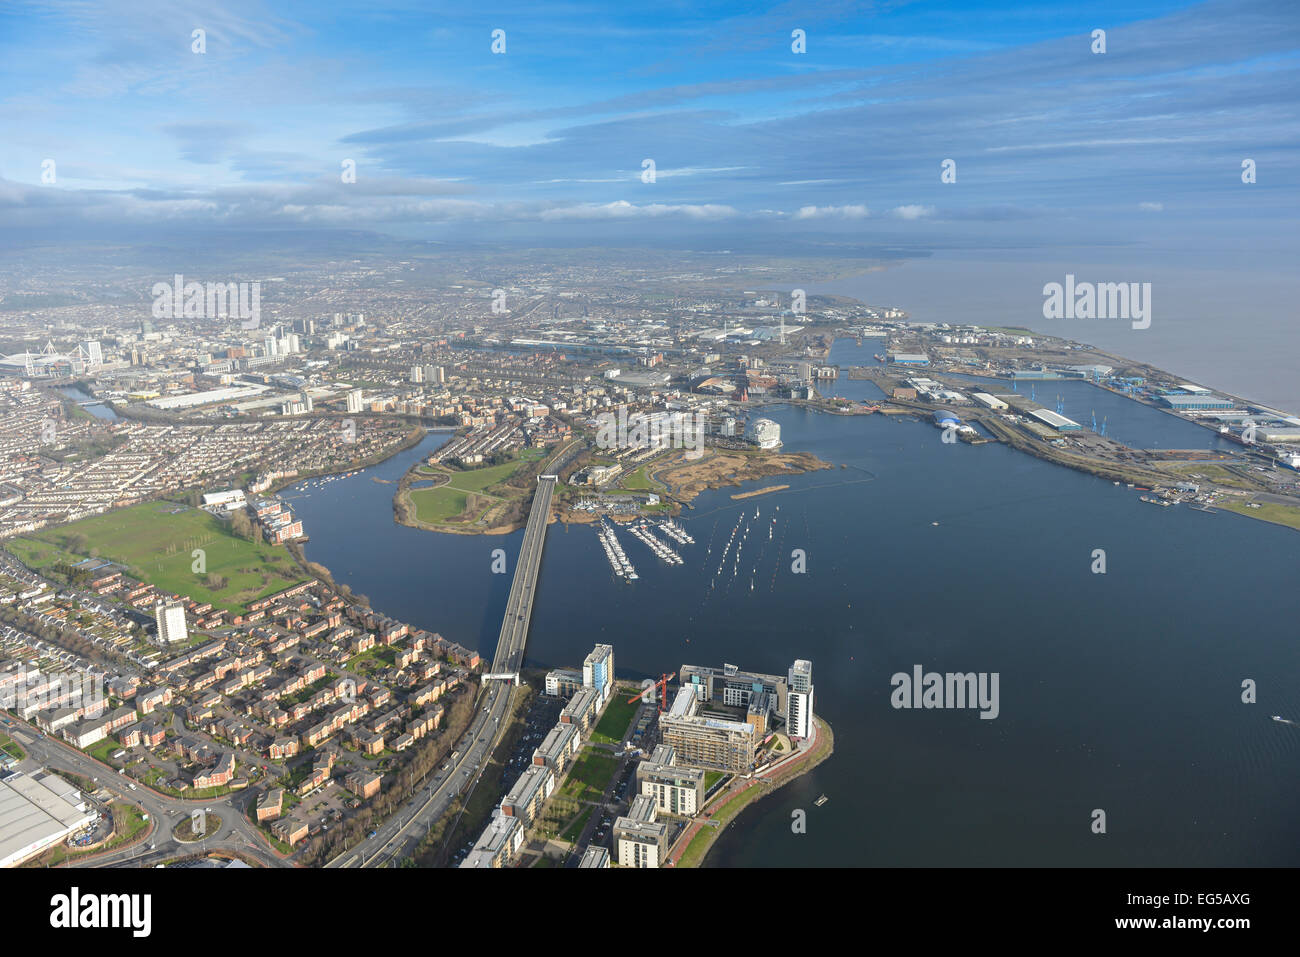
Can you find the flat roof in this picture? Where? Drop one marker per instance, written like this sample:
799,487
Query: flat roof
527,785
683,703
1054,420
34,814
595,856
556,739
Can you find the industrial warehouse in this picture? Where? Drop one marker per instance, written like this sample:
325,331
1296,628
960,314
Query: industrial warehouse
37,812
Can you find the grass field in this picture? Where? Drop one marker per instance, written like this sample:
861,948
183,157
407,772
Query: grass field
437,505
104,750
11,747
574,830
1215,473
614,722
156,541
637,481
589,775
1267,512
479,479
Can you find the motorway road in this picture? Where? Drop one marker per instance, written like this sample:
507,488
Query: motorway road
398,837
235,834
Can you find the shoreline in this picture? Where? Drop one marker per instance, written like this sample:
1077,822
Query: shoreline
677,494
752,793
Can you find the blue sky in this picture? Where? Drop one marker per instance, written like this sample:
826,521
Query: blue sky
843,143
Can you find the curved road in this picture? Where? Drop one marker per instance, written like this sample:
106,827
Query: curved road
235,834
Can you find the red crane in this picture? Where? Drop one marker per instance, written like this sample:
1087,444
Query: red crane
661,685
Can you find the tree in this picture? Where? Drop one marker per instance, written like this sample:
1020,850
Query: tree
241,525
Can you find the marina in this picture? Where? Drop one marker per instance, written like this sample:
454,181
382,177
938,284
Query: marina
1153,500
997,512
642,531
618,560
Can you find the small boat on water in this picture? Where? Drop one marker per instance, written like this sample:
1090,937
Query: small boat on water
820,801
1151,500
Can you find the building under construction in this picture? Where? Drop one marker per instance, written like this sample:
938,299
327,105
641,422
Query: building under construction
705,742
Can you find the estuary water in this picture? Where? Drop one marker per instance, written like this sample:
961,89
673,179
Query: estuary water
1119,692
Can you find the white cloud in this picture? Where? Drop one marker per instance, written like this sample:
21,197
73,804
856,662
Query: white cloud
622,209
1151,207
912,211
857,211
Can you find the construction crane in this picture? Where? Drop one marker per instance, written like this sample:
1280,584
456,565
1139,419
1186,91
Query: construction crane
662,685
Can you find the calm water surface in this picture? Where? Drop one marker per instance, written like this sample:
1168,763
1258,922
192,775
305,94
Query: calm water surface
1119,691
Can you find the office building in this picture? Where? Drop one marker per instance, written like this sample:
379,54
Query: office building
354,401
